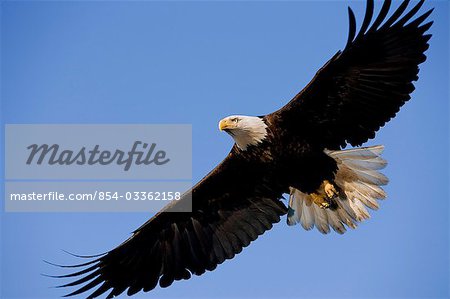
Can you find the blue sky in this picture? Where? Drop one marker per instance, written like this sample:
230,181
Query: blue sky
196,62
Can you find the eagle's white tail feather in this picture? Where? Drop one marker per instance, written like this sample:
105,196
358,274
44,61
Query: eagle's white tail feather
346,218
335,221
374,164
321,219
359,181
368,176
307,215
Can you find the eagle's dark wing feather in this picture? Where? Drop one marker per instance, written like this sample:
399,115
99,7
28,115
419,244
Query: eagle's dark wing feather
362,87
231,207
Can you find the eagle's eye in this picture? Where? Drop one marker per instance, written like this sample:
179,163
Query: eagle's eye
235,119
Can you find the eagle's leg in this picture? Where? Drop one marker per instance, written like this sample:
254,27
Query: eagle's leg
325,196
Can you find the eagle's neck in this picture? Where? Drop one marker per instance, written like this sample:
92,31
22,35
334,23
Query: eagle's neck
252,130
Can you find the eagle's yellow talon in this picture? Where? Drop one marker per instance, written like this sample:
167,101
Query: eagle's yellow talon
330,190
325,195
320,200
324,205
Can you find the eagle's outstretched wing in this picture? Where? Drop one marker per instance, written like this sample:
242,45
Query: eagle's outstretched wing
363,86
232,206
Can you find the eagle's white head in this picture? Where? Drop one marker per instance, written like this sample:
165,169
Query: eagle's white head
245,130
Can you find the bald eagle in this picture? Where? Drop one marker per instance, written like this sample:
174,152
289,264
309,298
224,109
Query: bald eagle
354,94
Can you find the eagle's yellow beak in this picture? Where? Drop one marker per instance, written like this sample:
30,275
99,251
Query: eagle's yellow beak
224,124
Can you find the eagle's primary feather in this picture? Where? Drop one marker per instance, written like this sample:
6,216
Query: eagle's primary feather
354,94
